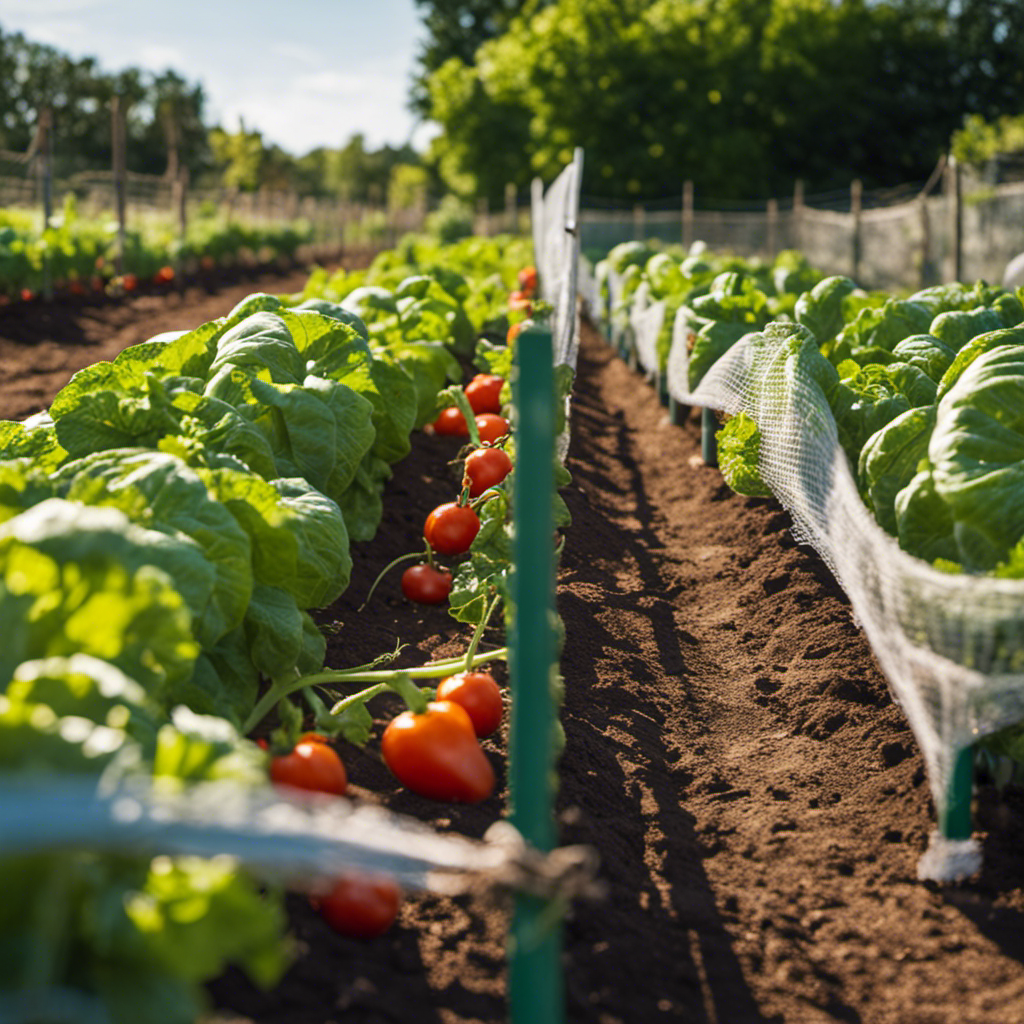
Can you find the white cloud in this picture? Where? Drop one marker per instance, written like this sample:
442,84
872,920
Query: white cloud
157,57
296,51
47,8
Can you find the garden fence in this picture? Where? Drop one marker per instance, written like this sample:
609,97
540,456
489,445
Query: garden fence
957,226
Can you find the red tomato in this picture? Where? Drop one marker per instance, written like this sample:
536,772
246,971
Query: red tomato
517,300
27,295
483,392
451,527
486,467
76,287
437,754
312,765
361,906
478,695
527,278
426,585
451,422
491,426
513,332
130,282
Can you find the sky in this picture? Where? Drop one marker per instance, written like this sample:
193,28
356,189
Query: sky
305,73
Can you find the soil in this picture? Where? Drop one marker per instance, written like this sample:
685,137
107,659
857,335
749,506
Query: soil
756,798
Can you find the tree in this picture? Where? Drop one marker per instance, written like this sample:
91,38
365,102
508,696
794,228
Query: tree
456,29
740,96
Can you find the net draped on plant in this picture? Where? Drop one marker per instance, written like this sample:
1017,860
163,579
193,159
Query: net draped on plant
950,644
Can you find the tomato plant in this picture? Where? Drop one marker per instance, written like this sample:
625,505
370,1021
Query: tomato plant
483,392
486,467
451,527
479,695
436,754
361,906
451,423
425,584
311,765
491,426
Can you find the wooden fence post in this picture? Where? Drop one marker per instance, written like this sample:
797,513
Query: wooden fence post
45,157
772,226
927,269
954,192
179,202
510,208
687,227
483,216
639,222
798,214
118,111
856,200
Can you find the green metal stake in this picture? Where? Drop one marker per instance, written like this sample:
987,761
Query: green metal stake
708,443
955,815
535,975
661,384
677,411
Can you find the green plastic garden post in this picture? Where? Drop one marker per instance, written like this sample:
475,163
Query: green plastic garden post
708,443
955,815
535,978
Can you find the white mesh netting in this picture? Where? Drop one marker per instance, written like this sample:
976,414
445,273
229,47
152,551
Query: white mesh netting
951,646
556,243
555,215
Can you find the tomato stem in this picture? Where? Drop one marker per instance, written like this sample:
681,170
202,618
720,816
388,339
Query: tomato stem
433,670
479,632
387,568
458,396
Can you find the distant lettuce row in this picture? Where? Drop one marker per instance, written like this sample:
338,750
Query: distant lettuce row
80,252
926,391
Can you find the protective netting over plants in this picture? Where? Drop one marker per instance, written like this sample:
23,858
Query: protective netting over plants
556,243
951,644
556,246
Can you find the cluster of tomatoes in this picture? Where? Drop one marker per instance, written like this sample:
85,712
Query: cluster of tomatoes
451,527
522,298
435,753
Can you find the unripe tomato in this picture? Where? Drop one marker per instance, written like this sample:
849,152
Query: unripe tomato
451,527
426,585
451,423
486,467
483,392
437,755
361,906
491,427
478,695
312,765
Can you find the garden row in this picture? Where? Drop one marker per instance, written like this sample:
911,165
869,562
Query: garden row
74,255
169,529
890,427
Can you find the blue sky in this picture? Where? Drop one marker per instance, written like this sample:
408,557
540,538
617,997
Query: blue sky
304,72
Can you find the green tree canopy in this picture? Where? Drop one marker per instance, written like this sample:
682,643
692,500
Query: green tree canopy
741,96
